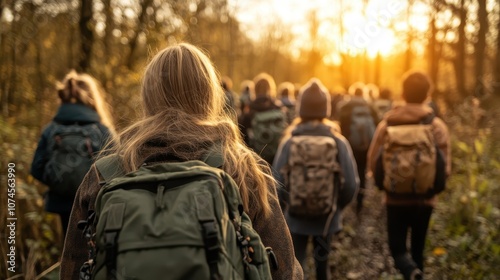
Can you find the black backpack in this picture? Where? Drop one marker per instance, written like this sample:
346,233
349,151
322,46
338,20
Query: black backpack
71,150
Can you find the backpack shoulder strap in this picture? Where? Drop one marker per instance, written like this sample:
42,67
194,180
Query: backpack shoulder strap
214,157
428,119
110,167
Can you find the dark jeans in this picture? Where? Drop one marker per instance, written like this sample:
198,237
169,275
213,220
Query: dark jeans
399,220
321,251
360,157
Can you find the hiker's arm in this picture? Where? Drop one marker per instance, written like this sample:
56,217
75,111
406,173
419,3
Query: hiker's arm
375,146
75,251
40,158
349,171
442,138
280,160
274,233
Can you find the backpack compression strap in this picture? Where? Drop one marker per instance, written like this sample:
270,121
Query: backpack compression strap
206,217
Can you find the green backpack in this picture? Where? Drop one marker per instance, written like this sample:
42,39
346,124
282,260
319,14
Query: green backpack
267,130
176,220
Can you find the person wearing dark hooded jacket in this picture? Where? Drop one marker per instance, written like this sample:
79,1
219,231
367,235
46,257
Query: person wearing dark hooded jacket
313,111
264,140
411,212
81,105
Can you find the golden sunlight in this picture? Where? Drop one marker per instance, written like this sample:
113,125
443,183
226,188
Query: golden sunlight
345,27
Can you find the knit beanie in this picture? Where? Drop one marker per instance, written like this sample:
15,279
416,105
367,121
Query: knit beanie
314,100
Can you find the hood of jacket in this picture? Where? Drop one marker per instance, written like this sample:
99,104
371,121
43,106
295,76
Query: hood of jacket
72,113
408,114
312,128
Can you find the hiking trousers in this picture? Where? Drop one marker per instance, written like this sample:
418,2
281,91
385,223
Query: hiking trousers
321,252
401,219
360,157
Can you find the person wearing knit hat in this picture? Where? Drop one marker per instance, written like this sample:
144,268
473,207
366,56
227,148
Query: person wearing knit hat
313,145
358,121
263,125
314,101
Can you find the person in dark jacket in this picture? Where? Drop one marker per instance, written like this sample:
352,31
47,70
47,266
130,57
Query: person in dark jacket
411,212
358,121
265,101
313,111
82,104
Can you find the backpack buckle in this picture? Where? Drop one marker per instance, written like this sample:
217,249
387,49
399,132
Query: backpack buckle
273,260
211,240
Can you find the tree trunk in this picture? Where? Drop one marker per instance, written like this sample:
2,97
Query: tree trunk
409,38
378,69
108,43
86,34
480,47
40,88
497,64
140,27
432,57
460,51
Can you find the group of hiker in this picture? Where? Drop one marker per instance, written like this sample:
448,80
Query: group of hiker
210,184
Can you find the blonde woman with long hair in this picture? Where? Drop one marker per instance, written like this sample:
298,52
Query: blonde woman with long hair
68,145
183,117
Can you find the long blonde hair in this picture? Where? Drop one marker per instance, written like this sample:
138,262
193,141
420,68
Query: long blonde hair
183,105
84,89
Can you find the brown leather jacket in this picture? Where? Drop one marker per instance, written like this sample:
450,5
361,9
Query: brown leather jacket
410,113
273,231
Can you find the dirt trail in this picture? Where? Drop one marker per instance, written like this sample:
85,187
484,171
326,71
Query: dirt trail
361,252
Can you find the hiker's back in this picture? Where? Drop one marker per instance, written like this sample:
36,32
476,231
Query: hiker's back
412,163
267,129
181,219
71,148
382,106
312,174
357,123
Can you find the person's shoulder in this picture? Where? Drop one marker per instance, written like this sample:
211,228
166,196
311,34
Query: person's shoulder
439,124
342,142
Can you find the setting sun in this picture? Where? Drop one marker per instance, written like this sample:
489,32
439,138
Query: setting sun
345,27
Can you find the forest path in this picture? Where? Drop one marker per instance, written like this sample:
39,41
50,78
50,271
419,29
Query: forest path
360,251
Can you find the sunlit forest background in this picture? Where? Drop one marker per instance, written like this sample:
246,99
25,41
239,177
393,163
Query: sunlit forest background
457,42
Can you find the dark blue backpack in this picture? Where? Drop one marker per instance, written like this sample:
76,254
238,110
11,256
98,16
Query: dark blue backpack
71,151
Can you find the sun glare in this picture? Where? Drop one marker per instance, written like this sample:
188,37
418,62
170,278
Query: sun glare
350,26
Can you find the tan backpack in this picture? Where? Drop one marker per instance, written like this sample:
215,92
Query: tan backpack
409,159
312,175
